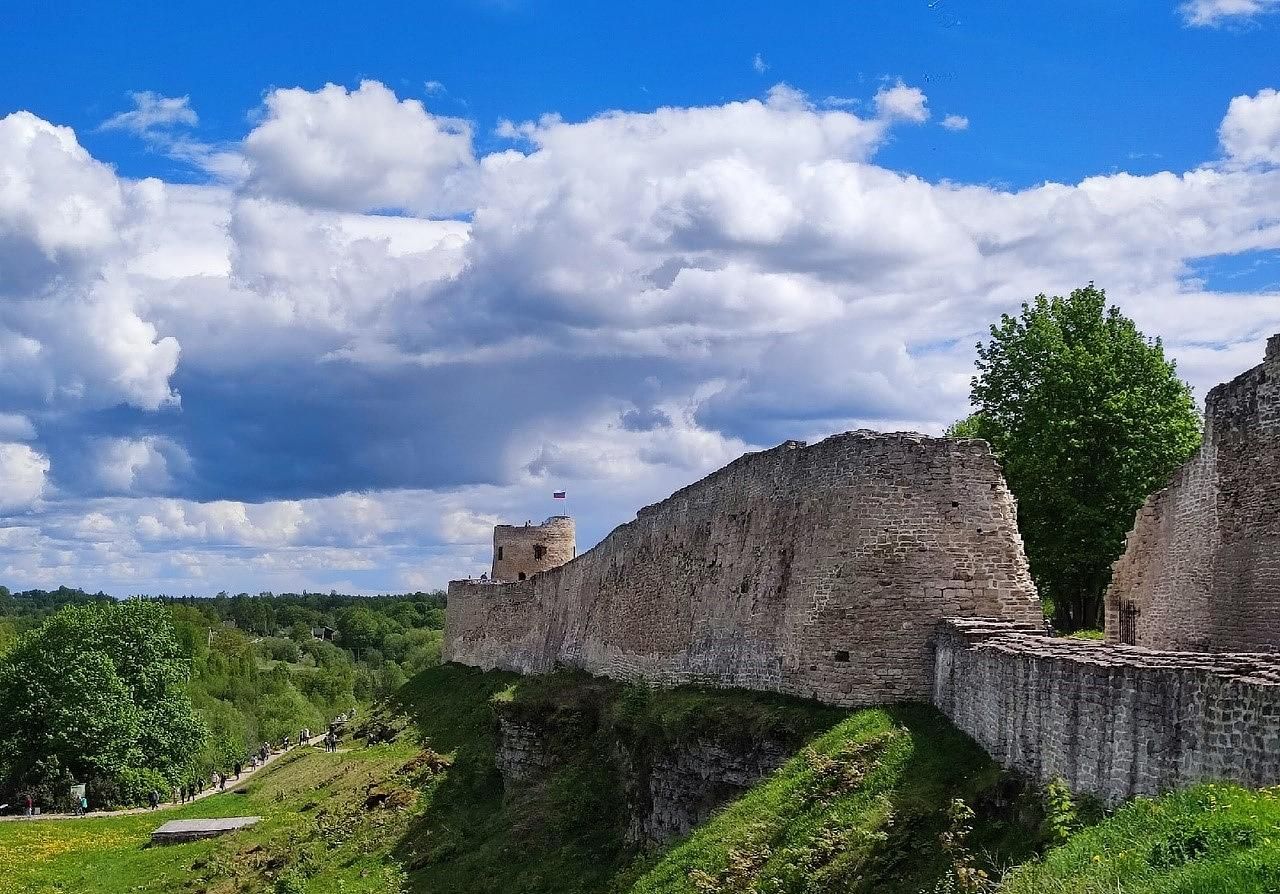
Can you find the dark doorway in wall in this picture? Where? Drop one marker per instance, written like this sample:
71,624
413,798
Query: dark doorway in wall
842,655
521,576
499,554
1129,624
539,551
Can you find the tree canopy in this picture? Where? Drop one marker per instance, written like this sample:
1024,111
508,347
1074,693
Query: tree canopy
1088,417
95,691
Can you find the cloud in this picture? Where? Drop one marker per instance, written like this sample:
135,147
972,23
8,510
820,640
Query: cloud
900,102
152,112
23,472
264,385
360,150
758,64
147,465
955,122
16,427
1250,132
72,330
1215,13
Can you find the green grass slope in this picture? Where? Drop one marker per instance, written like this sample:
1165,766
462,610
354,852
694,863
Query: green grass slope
1213,839
862,806
321,833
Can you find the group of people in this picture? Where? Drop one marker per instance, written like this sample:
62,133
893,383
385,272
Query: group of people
217,780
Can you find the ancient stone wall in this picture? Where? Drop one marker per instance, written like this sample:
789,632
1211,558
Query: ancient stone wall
1113,721
819,571
521,551
1201,569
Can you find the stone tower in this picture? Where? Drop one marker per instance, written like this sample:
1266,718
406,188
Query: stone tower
521,551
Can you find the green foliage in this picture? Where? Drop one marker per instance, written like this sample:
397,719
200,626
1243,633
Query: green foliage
97,690
1088,417
1213,839
1061,820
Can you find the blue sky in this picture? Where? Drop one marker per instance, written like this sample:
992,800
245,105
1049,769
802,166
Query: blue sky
313,294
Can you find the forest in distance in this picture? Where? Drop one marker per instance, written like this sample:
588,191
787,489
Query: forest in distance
130,696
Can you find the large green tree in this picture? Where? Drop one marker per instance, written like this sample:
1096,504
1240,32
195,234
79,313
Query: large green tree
93,693
1088,417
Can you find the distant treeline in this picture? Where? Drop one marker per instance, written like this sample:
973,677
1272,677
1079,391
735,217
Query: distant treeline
231,671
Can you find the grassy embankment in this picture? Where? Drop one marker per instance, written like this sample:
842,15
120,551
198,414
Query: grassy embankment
866,805
320,833
861,807
1213,839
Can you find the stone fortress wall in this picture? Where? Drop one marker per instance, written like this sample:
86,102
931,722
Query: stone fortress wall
819,571
521,551
877,568
1201,570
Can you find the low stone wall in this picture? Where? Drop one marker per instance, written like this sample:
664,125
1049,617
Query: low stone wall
1113,721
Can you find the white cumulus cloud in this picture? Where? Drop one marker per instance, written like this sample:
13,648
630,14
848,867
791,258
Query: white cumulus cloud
1250,133
901,102
23,473
358,150
955,122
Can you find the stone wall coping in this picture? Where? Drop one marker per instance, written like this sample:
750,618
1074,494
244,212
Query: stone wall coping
1254,668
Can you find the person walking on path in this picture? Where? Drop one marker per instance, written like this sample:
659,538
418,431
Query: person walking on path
30,805
153,798
239,767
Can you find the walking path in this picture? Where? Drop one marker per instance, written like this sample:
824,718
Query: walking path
164,805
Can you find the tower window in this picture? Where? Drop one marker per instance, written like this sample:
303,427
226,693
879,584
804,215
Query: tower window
499,554
521,576
539,551
842,655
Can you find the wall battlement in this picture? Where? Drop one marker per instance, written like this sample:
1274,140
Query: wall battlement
819,571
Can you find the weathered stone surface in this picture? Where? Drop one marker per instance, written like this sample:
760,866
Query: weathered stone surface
1201,569
178,831
686,783
521,551
523,751
818,571
669,791
1114,721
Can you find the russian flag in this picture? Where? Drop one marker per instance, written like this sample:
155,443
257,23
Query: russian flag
557,495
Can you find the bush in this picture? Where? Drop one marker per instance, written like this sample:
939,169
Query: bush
280,649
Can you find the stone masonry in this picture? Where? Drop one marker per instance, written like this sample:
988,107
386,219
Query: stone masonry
819,571
1114,721
521,551
1201,570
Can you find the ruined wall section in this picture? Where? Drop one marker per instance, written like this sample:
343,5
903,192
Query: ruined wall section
818,571
1113,721
1201,569
1159,595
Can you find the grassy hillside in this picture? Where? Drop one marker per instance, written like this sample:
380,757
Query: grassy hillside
1214,839
321,833
892,801
860,808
